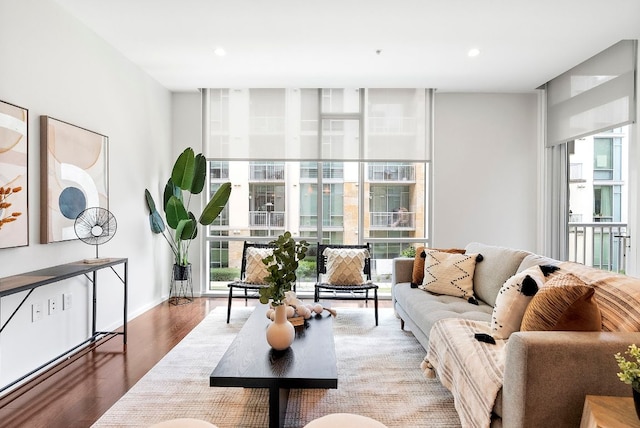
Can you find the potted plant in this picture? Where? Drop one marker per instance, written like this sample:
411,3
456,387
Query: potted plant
187,179
282,265
630,372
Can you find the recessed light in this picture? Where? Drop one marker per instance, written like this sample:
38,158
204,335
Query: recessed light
220,51
473,52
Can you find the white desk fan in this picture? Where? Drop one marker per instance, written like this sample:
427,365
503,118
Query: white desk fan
95,226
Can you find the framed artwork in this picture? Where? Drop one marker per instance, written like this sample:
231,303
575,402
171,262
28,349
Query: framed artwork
14,166
74,176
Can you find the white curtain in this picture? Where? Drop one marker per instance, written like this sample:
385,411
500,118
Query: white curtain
345,124
596,95
557,202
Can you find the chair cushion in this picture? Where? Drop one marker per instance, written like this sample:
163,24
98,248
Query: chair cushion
417,275
255,270
565,303
450,274
345,266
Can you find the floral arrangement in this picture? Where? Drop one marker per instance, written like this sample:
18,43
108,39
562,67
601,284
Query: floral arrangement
5,215
282,265
630,370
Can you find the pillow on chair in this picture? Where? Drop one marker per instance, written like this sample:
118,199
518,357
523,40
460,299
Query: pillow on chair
255,270
344,266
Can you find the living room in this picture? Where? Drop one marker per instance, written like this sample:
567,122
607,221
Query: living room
488,165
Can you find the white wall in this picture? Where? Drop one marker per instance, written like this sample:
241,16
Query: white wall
52,65
186,131
485,170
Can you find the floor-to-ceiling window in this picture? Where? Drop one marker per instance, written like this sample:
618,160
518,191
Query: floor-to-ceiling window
329,165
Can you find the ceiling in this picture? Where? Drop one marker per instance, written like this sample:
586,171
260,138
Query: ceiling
334,43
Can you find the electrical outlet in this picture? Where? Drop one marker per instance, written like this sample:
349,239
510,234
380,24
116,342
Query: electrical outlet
53,305
66,301
36,312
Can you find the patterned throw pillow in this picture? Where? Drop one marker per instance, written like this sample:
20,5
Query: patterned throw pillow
417,275
255,269
450,274
344,266
512,301
565,303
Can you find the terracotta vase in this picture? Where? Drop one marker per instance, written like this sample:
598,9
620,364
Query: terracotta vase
280,333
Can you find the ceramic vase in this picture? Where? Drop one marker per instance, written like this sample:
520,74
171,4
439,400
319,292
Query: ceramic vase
636,401
280,333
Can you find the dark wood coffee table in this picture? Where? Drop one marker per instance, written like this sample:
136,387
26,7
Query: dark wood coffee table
251,363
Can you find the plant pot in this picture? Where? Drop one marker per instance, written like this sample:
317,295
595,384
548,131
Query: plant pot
636,401
181,291
280,333
181,273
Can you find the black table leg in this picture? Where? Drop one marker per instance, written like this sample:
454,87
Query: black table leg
278,398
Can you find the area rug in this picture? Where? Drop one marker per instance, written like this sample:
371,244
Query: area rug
379,376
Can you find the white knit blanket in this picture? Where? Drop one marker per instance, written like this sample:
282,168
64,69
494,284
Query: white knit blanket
470,369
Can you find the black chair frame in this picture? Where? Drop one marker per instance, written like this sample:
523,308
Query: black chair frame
241,284
344,292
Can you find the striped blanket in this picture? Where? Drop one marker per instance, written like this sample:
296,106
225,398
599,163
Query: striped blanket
470,369
473,370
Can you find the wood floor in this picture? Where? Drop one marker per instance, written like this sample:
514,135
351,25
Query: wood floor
79,393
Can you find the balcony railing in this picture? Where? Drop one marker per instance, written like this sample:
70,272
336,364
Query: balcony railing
391,172
266,219
266,172
392,220
602,245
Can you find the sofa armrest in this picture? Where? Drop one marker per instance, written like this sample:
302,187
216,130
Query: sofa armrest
401,270
548,374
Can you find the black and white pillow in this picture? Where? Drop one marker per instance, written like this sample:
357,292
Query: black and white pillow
512,301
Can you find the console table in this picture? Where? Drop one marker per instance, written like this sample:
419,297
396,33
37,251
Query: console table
29,281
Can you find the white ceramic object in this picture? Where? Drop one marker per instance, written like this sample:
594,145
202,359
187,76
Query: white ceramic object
280,333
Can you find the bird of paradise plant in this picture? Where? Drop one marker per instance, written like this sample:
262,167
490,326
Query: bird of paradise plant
187,179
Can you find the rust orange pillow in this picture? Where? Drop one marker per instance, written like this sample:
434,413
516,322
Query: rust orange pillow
418,263
565,303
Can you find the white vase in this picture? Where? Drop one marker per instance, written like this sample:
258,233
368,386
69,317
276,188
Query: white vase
280,333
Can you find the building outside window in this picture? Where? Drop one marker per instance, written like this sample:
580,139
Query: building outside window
383,202
597,198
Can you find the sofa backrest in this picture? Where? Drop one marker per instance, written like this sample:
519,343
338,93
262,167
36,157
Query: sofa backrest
498,265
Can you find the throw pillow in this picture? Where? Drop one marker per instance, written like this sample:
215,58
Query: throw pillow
565,303
344,266
450,274
418,263
512,301
255,270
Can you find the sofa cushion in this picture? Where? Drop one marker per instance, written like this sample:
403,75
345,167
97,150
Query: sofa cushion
426,308
512,301
537,260
565,303
450,274
498,265
418,262
255,269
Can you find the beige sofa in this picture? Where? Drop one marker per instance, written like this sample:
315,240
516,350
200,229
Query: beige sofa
546,375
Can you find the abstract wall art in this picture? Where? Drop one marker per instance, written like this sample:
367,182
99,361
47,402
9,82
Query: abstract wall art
14,145
74,176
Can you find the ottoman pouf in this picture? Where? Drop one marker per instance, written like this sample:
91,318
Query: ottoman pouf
183,423
344,420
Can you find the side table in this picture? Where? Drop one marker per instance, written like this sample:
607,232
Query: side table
609,412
